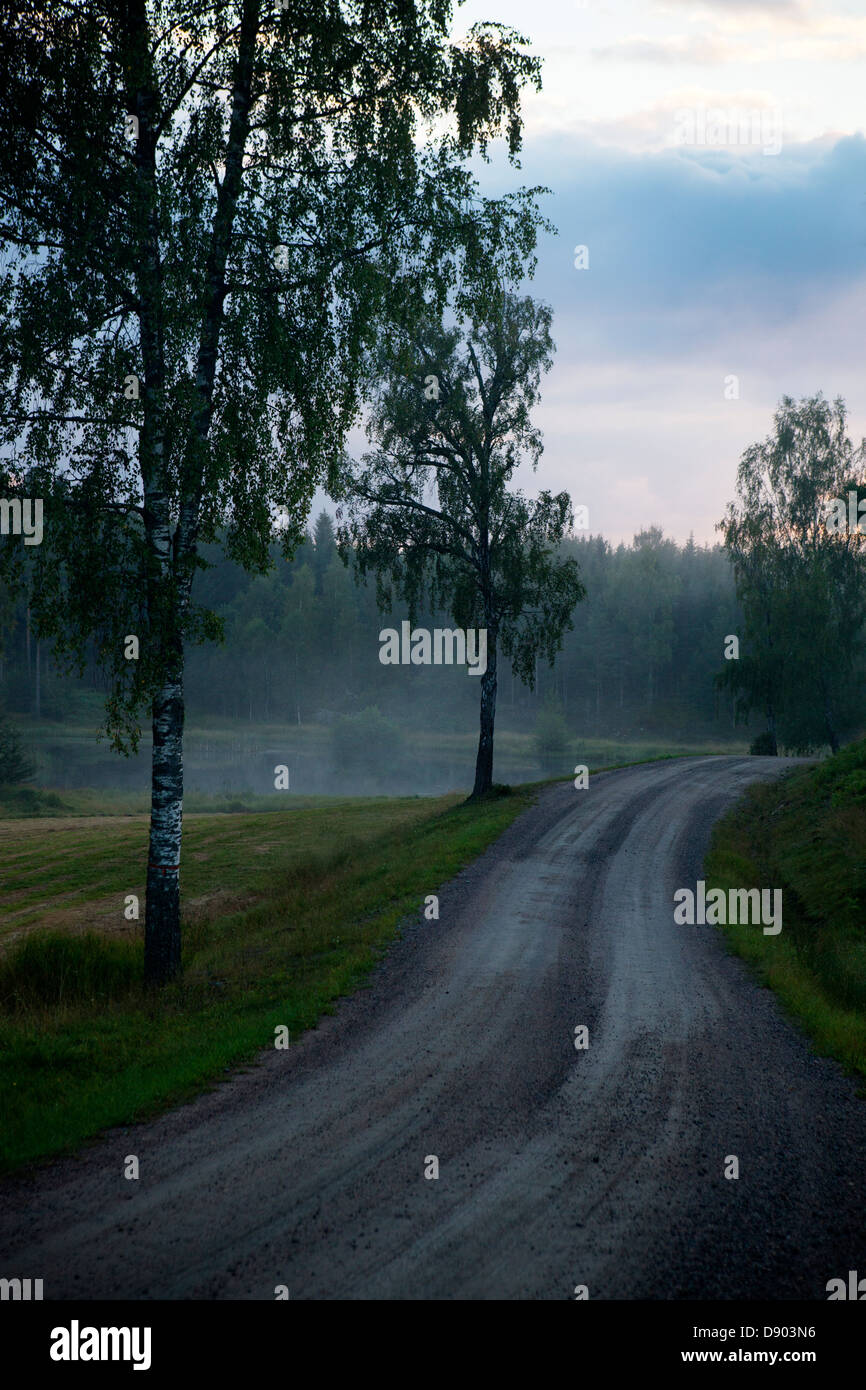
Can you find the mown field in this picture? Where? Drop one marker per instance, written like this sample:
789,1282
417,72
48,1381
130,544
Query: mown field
284,912
806,834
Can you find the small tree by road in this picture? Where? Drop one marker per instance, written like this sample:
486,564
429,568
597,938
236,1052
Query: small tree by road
429,510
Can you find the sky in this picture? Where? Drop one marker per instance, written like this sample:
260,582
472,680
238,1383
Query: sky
710,157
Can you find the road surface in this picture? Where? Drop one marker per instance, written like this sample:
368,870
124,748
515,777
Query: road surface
557,1168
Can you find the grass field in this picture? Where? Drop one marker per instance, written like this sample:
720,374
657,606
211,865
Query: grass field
284,912
806,834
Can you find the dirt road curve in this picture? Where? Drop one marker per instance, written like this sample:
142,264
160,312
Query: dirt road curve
556,1167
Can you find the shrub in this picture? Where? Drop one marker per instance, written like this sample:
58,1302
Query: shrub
15,766
850,790
764,745
29,801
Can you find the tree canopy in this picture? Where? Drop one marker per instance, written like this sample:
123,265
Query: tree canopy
430,510
207,210
800,574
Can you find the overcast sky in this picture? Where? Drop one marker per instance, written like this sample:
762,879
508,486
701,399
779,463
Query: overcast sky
711,158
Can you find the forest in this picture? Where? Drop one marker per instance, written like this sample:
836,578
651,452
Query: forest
302,647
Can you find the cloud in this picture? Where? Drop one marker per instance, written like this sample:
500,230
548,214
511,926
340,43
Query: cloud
772,7
702,265
689,228
796,31
741,16
822,42
738,116
694,49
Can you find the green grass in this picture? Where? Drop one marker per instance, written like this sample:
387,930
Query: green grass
806,834
316,894
285,910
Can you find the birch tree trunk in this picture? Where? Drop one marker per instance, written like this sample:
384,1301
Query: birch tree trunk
484,759
162,922
172,550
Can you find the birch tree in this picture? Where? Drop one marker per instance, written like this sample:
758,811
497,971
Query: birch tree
206,209
797,547
429,510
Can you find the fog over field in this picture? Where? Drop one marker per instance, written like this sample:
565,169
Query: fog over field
300,681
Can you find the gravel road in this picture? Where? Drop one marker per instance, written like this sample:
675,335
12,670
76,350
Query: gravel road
602,1167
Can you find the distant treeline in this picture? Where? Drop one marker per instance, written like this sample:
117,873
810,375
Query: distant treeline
302,645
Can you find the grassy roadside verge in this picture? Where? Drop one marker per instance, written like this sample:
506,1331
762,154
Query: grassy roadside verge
84,1047
806,834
